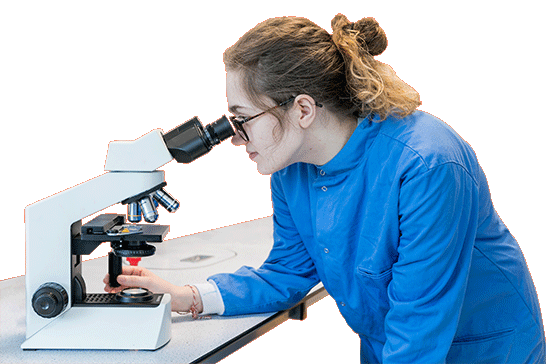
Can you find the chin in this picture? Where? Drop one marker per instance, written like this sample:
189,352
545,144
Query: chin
270,169
265,171
266,168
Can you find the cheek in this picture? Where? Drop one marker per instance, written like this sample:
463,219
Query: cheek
267,143
276,145
261,134
279,155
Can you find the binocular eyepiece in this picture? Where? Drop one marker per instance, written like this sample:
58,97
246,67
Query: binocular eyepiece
191,140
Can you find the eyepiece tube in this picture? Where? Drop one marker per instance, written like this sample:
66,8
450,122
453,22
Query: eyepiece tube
220,130
190,140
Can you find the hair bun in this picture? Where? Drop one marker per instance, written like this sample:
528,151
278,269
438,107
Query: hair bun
370,35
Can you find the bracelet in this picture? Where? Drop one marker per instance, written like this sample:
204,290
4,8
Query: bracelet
193,307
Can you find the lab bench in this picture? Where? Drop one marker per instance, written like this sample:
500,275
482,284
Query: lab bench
185,260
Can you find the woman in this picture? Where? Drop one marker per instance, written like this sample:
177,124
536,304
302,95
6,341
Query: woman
385,205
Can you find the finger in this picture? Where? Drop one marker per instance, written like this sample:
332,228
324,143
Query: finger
133,281
130,270
116,290
134,270
126,270
110,289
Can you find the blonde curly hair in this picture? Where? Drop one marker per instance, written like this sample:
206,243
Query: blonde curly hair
284,57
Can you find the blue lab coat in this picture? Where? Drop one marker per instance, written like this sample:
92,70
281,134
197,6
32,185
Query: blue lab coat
400,228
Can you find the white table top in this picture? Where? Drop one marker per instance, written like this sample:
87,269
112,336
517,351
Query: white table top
186,260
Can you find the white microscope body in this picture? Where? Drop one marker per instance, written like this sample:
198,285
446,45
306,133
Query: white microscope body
57,313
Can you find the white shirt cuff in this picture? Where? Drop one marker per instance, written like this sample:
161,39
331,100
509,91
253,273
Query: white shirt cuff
211,298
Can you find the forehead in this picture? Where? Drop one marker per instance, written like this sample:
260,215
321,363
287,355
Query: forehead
236,97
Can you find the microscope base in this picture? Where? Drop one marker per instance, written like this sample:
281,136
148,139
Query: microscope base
111,328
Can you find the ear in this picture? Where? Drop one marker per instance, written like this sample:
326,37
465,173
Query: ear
306,110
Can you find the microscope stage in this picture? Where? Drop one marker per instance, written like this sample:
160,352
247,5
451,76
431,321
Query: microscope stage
95,231
98,229
150,233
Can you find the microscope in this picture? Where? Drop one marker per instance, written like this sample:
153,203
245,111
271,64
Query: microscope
60,314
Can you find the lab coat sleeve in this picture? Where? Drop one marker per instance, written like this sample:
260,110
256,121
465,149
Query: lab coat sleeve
210,298
285,277
438,223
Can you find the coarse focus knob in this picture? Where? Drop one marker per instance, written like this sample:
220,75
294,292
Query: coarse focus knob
49,300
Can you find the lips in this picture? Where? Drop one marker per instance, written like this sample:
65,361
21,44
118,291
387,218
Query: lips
252,155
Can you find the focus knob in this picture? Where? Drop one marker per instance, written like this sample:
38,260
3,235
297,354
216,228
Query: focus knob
49,300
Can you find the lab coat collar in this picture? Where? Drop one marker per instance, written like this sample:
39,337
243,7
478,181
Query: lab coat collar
354,151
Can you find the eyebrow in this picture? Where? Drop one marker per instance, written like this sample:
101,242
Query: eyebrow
236,108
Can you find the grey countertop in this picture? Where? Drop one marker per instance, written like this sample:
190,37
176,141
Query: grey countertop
185,260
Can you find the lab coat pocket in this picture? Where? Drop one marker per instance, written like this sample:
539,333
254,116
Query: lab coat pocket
376,285
374,300
485,348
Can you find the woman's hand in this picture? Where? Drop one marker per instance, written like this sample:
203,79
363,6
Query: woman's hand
134,276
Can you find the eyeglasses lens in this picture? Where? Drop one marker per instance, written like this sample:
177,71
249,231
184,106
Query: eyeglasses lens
240,130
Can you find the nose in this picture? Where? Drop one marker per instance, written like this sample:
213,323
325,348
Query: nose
237,140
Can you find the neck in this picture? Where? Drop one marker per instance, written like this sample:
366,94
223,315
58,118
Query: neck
326,137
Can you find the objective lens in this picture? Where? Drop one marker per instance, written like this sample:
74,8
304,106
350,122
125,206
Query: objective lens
149,211
166,200
134,212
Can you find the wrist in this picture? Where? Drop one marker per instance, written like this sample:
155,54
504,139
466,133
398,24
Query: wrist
186,297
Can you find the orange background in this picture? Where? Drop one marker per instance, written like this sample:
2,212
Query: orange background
76,75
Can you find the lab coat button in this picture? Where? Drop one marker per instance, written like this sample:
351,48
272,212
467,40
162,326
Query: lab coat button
322,173
326,250
342,304
324,188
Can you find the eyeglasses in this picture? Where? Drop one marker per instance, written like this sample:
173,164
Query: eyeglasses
238,121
